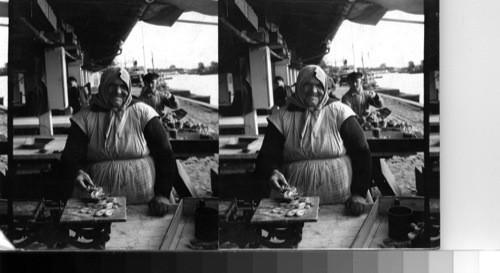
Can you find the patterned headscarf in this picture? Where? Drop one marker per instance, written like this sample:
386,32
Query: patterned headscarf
305,74
103,97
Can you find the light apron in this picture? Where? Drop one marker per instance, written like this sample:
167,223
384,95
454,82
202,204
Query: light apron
314,156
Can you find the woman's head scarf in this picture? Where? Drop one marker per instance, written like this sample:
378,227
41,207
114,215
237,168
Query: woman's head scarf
115,118
109,77
306,74
298,98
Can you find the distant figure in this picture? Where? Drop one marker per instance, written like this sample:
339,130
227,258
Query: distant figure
157,100
331,88
78,96
243,102
281,92
360,100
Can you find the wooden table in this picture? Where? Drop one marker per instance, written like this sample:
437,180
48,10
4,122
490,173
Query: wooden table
53,148
181,231
264,216
335,228
181,148
226,153
72,215
141,231
34,123
390,143
95,230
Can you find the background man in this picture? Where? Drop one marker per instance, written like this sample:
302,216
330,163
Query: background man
155,99
358,99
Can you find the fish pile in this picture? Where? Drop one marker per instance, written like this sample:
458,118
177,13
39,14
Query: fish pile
295,208
171,122
291,194
102,205
381,119
97,194
294,205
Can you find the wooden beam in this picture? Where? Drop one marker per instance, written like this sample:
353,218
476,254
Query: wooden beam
238,33
368,229
185,178
48,12
391,180
35,31
4,9
46,128
198,22
261,77
56,74
250,123
402,21
248,13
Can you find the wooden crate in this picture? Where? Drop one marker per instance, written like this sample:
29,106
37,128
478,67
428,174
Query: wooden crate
375,228
181,230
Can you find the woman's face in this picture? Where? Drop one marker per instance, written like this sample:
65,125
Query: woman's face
313,92
118,94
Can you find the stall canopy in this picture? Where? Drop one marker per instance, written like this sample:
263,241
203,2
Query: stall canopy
308,26
92,29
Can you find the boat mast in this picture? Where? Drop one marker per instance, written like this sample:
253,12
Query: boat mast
143,51
353,54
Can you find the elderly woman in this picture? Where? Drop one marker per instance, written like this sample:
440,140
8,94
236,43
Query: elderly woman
317,146
119,144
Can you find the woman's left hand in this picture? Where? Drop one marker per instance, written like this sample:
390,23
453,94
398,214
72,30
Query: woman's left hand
159,205
355,205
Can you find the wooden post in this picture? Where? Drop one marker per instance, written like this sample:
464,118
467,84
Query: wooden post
281,69
261,77
251,124
57,87
45,123
75,71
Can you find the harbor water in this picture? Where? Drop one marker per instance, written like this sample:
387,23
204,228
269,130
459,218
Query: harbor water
197,84
406,83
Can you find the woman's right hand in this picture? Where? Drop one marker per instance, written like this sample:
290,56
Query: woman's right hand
278,182
83,181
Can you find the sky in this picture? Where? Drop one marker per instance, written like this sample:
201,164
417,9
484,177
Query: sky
183,45
4,38
392,43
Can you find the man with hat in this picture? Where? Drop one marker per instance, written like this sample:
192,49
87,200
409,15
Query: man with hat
358,99
151,96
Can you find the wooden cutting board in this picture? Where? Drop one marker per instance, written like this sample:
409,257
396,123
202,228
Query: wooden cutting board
264,214
72,214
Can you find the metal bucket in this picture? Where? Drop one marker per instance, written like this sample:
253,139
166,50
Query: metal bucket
206,226
399,222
